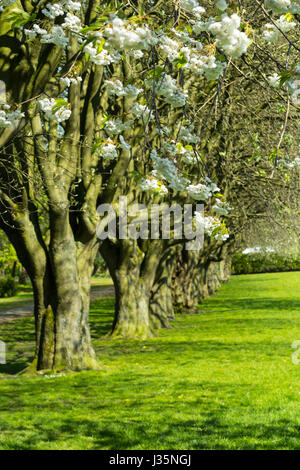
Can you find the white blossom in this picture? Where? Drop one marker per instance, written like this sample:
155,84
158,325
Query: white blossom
72,22
272,33
165,169
122,36
274,80
221,207
67,81
53,10
206,223
221,5
47,105
153,185
116,87
104,57
115,127
229,38
168,89
9,119
141,111
56,36
278,6
192,6
187,135
34,31
108,150
199,192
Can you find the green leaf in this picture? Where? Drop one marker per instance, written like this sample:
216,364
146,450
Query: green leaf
59,103
284,77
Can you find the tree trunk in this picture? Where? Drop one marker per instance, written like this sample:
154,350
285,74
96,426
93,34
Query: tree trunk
133,271
61,310
161,302
187,281
60,274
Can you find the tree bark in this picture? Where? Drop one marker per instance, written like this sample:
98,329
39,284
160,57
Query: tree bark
60,274
198,274
161,302
187,281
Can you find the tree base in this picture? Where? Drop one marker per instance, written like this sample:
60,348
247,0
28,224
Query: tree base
88,363
130,331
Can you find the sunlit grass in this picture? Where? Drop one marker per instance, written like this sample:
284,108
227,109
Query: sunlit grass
102,281
221,379
23,297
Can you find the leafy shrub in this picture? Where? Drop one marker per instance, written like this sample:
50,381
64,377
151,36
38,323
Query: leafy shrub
264,263
8,287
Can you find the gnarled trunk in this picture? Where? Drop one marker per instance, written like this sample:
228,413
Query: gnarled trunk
161,302
62,302
187,281
60,274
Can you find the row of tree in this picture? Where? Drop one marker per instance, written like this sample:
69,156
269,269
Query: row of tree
156,101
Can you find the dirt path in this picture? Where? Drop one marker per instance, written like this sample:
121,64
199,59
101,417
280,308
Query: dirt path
8,314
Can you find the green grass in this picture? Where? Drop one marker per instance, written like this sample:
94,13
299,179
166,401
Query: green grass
23,297
221,379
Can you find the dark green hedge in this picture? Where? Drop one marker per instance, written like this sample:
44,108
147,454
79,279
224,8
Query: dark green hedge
8,287
264,263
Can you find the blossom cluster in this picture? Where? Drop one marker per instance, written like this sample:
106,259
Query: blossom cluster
153,185
52,10
228,35
199,192
67,81
116,87
227,32
221,207
115,127
194,46
9,118
108,150
166,170
272,32
212,226
142,111
284,6
167,88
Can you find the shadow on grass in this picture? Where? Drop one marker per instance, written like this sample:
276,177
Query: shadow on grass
211,432
101,316
12,368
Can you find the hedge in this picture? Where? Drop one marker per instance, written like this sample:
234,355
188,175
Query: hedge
264,263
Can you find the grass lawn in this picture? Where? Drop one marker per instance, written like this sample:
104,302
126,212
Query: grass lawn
221,379
23,297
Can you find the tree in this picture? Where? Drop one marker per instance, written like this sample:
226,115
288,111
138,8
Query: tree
102,108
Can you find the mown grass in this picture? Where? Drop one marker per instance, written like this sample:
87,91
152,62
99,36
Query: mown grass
23,297
221,379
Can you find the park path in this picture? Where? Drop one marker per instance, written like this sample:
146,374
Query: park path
9,314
